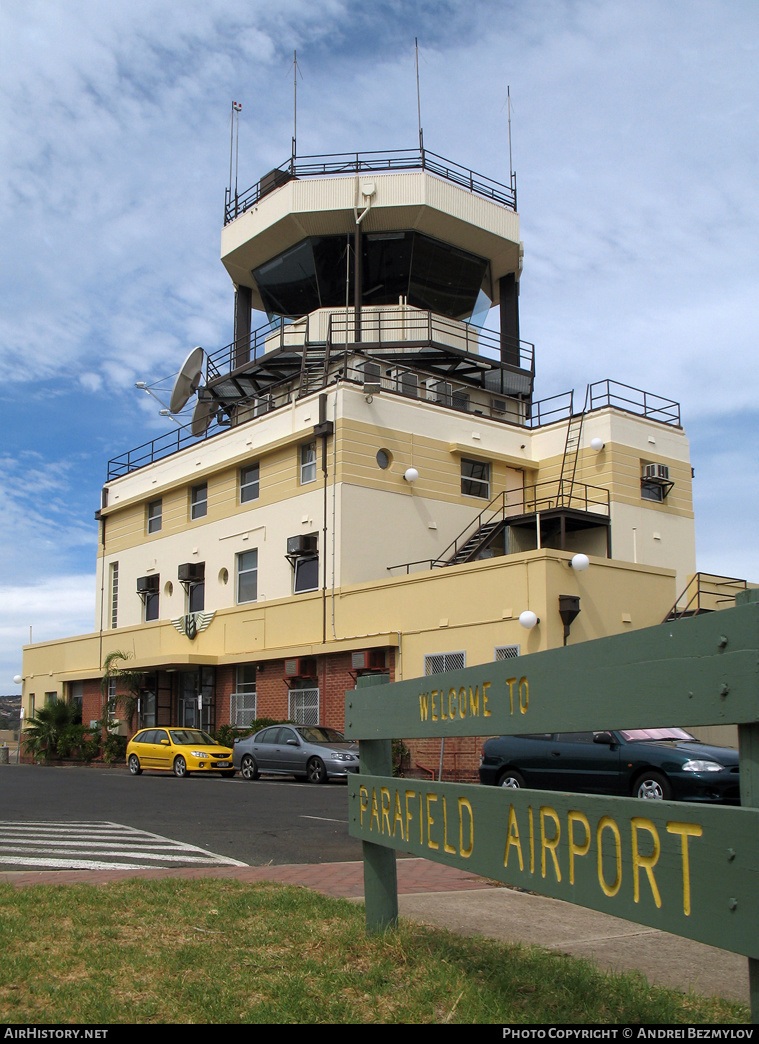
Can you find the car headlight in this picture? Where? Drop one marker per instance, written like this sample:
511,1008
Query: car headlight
199,754
337,755
702,766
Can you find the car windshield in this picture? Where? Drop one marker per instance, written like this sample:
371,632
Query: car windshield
187,737
636,735
318,734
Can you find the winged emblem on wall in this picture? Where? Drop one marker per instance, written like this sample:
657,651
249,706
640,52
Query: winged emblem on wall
193,623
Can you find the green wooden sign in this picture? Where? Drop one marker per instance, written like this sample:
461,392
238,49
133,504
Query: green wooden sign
698,671
686,869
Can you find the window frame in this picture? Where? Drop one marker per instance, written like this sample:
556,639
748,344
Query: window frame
472,480
244,700
154,517
306,465
239,573
198,504
247,484
298,565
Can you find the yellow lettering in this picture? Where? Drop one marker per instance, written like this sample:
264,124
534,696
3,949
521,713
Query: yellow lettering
648,862
433,694
363,800
462,701
685,830
532,840
510,683
485,712
375,812
513,839
607,823
409,813
549,844
430,822
580,850
385,800
524,695
474,701
465,852
398,815
446,846
421,820
452,703
424,705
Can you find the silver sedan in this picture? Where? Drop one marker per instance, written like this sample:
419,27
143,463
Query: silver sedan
310,752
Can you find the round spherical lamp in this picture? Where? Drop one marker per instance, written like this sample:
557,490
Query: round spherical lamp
411,475
580,563
528,619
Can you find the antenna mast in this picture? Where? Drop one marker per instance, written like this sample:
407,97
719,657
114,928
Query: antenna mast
295,105
418,99
234,147
512,175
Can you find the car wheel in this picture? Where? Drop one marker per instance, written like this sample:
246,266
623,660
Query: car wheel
180,767
248,768
652,786
316,771
134,765
511,780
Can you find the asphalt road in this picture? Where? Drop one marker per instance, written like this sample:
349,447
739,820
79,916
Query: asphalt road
266,821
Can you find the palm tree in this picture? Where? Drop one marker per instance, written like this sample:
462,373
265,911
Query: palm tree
129,679
45,729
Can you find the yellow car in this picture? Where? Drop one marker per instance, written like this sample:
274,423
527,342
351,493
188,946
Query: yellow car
180,751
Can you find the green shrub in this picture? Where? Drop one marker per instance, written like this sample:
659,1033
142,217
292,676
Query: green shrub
114,749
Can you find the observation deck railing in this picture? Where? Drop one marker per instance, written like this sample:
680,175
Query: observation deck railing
361,162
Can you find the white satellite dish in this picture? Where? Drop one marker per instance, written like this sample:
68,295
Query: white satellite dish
202,415
188,381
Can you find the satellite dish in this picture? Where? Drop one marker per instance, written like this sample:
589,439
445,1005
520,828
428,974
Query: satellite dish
202,415
188,380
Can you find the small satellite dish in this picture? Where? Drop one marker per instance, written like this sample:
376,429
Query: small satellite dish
188,381
202,415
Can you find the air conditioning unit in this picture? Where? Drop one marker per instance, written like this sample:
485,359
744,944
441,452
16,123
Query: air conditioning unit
368,660
303,544
148,584
656,471
460,401
441,393
409,385
301,667
191,572
372,377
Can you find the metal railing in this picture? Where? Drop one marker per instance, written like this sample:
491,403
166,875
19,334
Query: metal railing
706,592
378,162
531,500
633,400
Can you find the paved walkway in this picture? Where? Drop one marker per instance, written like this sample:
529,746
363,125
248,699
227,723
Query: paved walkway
470,905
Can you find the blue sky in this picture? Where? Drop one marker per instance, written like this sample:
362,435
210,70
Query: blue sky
636,149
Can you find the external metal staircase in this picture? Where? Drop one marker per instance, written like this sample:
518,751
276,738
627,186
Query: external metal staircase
572,448
477,542
706,593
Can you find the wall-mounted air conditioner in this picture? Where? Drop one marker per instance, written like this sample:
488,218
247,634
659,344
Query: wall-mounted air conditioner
441,392
148,584
656,472
372,377
368,660
303,544
191,572
301,667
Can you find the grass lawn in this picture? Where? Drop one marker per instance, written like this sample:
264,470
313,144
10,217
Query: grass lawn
224,952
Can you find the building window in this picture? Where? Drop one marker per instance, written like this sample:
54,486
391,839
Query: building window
51,698
652,491
199,501
114,593
151,603
247,576
155,516
506,652
196,597
76,700
436,663
475,478
249,483
307,463
304,706
306,574
243,699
